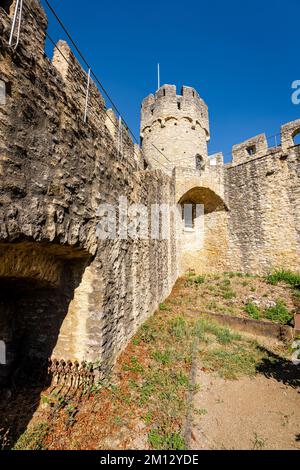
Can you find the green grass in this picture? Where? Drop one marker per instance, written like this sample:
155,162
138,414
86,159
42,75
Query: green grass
33,438
228,294
161,441
198,280
253,311
212,305
134,366
241,359
163,307
222,335
234,274
279,313
281,275
162,387
225,283
178,327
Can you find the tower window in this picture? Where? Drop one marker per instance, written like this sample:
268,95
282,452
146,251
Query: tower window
164,91
251,150
179,105
200,165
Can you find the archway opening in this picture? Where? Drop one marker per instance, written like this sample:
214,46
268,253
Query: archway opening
37,285
203,231
296,137
203,196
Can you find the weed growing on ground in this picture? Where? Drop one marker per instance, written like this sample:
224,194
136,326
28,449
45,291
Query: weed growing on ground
228,295
253,311
281,275
33,438
279,313
161,441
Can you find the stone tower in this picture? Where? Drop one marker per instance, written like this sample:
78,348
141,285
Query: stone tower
175,128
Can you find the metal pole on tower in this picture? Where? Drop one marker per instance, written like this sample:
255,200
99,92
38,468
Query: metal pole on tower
158,76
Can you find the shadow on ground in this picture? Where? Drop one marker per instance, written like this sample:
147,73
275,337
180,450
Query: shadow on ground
280,369
18,403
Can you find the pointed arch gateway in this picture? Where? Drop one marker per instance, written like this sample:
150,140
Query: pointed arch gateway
203,238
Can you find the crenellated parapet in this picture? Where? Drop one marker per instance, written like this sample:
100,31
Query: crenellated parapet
174,128
166,104
258,147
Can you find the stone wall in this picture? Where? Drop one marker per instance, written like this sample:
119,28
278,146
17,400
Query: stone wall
63,291
55,171
262,192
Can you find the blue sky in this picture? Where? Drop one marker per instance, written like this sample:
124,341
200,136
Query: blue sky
242,57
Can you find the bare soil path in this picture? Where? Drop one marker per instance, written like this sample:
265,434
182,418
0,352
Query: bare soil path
249,413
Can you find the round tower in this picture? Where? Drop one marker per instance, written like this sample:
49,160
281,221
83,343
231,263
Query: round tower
175,128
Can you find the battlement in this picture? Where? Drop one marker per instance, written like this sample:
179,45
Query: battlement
257,147
166,104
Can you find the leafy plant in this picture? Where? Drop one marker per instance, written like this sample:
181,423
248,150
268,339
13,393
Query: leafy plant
161,441
281,275
253,311
199,280
178,327
163,307
228,295
279,313
134,366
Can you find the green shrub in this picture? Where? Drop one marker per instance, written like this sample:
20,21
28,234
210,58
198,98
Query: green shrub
284,276
160,440
199,280
163,307
228,295
178,327
253,311
279,313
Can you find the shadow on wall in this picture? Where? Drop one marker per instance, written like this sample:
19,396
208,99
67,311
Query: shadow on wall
211,201
31,315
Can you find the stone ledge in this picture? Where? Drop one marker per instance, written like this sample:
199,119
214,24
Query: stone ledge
274,330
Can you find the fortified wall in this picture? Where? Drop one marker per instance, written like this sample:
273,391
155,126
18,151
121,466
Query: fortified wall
64,291
251,205
262,190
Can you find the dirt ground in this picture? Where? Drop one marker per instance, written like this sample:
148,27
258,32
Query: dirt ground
252,413
246,394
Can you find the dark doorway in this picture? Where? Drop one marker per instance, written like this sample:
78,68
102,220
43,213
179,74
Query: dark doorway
31,315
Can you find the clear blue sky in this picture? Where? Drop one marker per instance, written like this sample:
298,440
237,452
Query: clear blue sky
241,56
